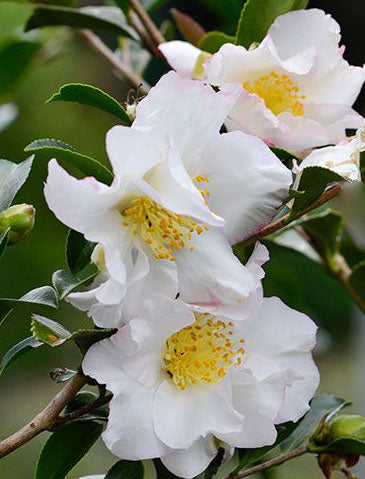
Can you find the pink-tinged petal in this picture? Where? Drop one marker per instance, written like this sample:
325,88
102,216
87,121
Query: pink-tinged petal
189,463
286,338
188,111
182,56
247,182
182,416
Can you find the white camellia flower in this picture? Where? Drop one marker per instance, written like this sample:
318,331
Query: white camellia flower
297,89
182,193
186,383
343,159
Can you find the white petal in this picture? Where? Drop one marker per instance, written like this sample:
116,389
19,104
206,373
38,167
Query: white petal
211,276
247,182
259,402
144,338
190,462
130,433
178,192
286,337
187,110
183,416
134,151
182,56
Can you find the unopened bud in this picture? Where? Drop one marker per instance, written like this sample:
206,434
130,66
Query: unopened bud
347,426
20,220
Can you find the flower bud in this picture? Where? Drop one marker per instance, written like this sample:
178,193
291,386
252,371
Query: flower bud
20,220
348,426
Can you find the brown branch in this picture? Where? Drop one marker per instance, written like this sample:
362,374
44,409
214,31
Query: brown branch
151,28
284,221
121,66
46,419
147,40
272,463
84,410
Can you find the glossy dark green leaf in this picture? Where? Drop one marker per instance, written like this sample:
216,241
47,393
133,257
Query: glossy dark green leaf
101,19
15,56
91,96
362,165
162,472
258,15
78,251
3,240
43,296
51,148
344,445
18,350
83,398
283,154
313,182
12,178
126,470
357,280
321,405
212,41
84,338
213,467
64,282
48,331
65,448
324,230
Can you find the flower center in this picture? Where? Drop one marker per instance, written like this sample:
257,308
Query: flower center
164,231
202,352
279,92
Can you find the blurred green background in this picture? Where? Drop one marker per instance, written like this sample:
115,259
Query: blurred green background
25,387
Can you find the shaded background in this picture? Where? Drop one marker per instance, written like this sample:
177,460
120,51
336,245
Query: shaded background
25,387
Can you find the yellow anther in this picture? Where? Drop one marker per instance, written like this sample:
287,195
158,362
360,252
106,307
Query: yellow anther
279,92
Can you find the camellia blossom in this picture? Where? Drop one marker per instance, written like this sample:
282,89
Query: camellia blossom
297,89
182,193
187,382
343,159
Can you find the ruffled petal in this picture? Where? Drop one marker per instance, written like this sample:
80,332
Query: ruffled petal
247,182
193,412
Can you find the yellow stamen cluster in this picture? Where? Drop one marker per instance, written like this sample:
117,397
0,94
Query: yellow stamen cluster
279,92
204,191
164,231
202,352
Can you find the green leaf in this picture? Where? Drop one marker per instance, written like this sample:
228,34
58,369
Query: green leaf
325,229
283,154
162,472
64,282
12,178
313,181
43,296
48,331
357,280
257,17
51,148
100,19
321,406
18,350
91,96
213,467
78,251
65,448
345,445
362,165
84,338
3,240
212,41
15,56
126,470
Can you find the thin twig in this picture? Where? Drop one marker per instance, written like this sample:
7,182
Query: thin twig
118,64
284,221
145,37
272,463
46,419
84,410
151,28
